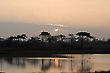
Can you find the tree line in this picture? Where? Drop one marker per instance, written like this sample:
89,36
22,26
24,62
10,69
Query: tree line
80,40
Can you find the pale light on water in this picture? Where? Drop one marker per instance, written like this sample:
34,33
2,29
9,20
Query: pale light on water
69,63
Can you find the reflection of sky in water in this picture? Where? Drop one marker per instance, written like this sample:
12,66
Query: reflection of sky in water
63,63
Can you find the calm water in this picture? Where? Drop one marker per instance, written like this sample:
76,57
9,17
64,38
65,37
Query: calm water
67,63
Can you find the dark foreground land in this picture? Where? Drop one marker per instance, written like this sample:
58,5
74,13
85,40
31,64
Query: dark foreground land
101,72
47,52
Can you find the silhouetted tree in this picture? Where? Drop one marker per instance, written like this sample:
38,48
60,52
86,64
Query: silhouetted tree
82,34
44,36
61,37
72,38
11,38
21,37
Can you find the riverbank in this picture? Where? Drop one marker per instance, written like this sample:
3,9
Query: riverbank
101,72
43,53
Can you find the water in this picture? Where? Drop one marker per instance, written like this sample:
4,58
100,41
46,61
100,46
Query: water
67,63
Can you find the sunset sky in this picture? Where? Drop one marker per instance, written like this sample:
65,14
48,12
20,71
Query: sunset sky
69,16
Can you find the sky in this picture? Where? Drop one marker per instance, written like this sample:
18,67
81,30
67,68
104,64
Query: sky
33,16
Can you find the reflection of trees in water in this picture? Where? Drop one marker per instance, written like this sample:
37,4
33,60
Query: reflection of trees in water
46,64
86,65
72,64
51,63
33,62
19,62
82,65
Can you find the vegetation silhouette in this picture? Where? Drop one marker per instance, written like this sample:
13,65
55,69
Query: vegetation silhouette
47,44
82,34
